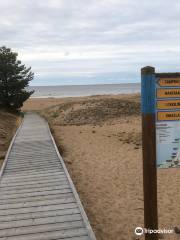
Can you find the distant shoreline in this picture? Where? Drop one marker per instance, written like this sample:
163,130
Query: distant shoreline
77,85
103,95
84,90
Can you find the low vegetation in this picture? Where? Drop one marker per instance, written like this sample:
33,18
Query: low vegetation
91,111
8,125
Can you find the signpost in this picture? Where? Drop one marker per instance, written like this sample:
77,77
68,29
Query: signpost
149,150
160,97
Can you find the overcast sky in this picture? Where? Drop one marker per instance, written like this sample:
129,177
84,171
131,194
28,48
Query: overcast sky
92,41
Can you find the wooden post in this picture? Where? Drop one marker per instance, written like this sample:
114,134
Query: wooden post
149,150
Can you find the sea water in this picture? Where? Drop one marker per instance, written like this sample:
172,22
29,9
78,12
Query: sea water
83,90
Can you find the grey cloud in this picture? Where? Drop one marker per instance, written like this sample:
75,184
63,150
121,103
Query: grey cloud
51,25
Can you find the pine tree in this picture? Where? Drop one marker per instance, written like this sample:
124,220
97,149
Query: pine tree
14,78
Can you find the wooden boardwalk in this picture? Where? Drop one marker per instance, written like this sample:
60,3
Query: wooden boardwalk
38,200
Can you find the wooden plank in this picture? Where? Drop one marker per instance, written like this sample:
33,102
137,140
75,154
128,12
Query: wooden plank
25,173
32,161
34,194
36,198
40,221
23,177
59,234
33,166
37,203
40,228
42,214
19,178
31,169
33,181
38,189
32,155
34,185
50,207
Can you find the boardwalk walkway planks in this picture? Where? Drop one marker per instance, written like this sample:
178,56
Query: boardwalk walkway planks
38,200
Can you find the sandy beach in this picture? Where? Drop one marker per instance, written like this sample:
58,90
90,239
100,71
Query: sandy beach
100,140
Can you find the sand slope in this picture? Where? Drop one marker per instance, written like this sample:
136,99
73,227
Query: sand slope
8,125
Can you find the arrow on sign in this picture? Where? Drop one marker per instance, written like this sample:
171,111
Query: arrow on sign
168,104
169,82
168,116
168,93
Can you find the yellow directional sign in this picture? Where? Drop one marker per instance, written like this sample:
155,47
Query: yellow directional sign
169,82
168,93
168,116
168,104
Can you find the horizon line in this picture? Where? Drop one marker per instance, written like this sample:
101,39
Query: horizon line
83,84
